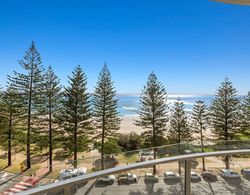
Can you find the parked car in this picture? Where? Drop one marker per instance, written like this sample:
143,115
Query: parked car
228,173
245,172
127,178
70,173
171,175
208,176
195,176
151,178
141,158
107,179
146,153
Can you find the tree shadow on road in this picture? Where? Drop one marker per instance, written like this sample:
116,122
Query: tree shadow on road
211,188
90,188
101,184
234,184
174,186
149,190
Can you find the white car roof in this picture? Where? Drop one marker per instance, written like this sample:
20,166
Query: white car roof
193,173
83,169
169,173
149,174
226,170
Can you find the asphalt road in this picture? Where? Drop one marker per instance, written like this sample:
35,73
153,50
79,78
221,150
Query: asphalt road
220,187
9,181
200,187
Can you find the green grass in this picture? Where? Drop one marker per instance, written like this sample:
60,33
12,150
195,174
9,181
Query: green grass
32,170
127,159
15,168
3,164
206,149
54,174
245,135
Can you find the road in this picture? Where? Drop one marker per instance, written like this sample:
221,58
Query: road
221,187
9,180
201,187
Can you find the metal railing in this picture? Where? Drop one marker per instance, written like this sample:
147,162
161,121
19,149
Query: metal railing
66,184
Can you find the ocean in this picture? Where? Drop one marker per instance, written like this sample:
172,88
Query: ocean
128,104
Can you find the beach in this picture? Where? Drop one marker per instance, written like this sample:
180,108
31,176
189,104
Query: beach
127,125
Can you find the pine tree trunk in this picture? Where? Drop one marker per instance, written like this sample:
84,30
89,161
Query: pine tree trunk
179,149
202,148
226,142
154,140
28,145
9,139
103,133
75,146
29,119
154,167
50,141
102,149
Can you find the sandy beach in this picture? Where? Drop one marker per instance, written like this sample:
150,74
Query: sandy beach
127,125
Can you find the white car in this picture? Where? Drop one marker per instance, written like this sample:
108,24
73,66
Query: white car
150,177
171,175
127,177
146,153
69,173
228,173
107,179
195,176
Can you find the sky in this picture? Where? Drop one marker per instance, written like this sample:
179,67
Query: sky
191,45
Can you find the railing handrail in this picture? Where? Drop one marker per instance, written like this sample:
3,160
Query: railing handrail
77,180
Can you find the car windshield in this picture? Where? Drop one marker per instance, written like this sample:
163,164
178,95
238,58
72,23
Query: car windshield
67,177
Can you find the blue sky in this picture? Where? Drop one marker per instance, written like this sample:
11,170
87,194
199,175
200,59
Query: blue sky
191,45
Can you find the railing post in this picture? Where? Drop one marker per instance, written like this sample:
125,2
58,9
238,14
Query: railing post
187,177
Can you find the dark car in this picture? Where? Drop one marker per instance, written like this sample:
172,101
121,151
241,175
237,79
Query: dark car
208,176
245,172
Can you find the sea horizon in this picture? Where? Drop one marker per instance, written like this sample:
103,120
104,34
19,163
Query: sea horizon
128,103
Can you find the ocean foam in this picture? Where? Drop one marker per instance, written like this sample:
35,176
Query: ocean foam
129,108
